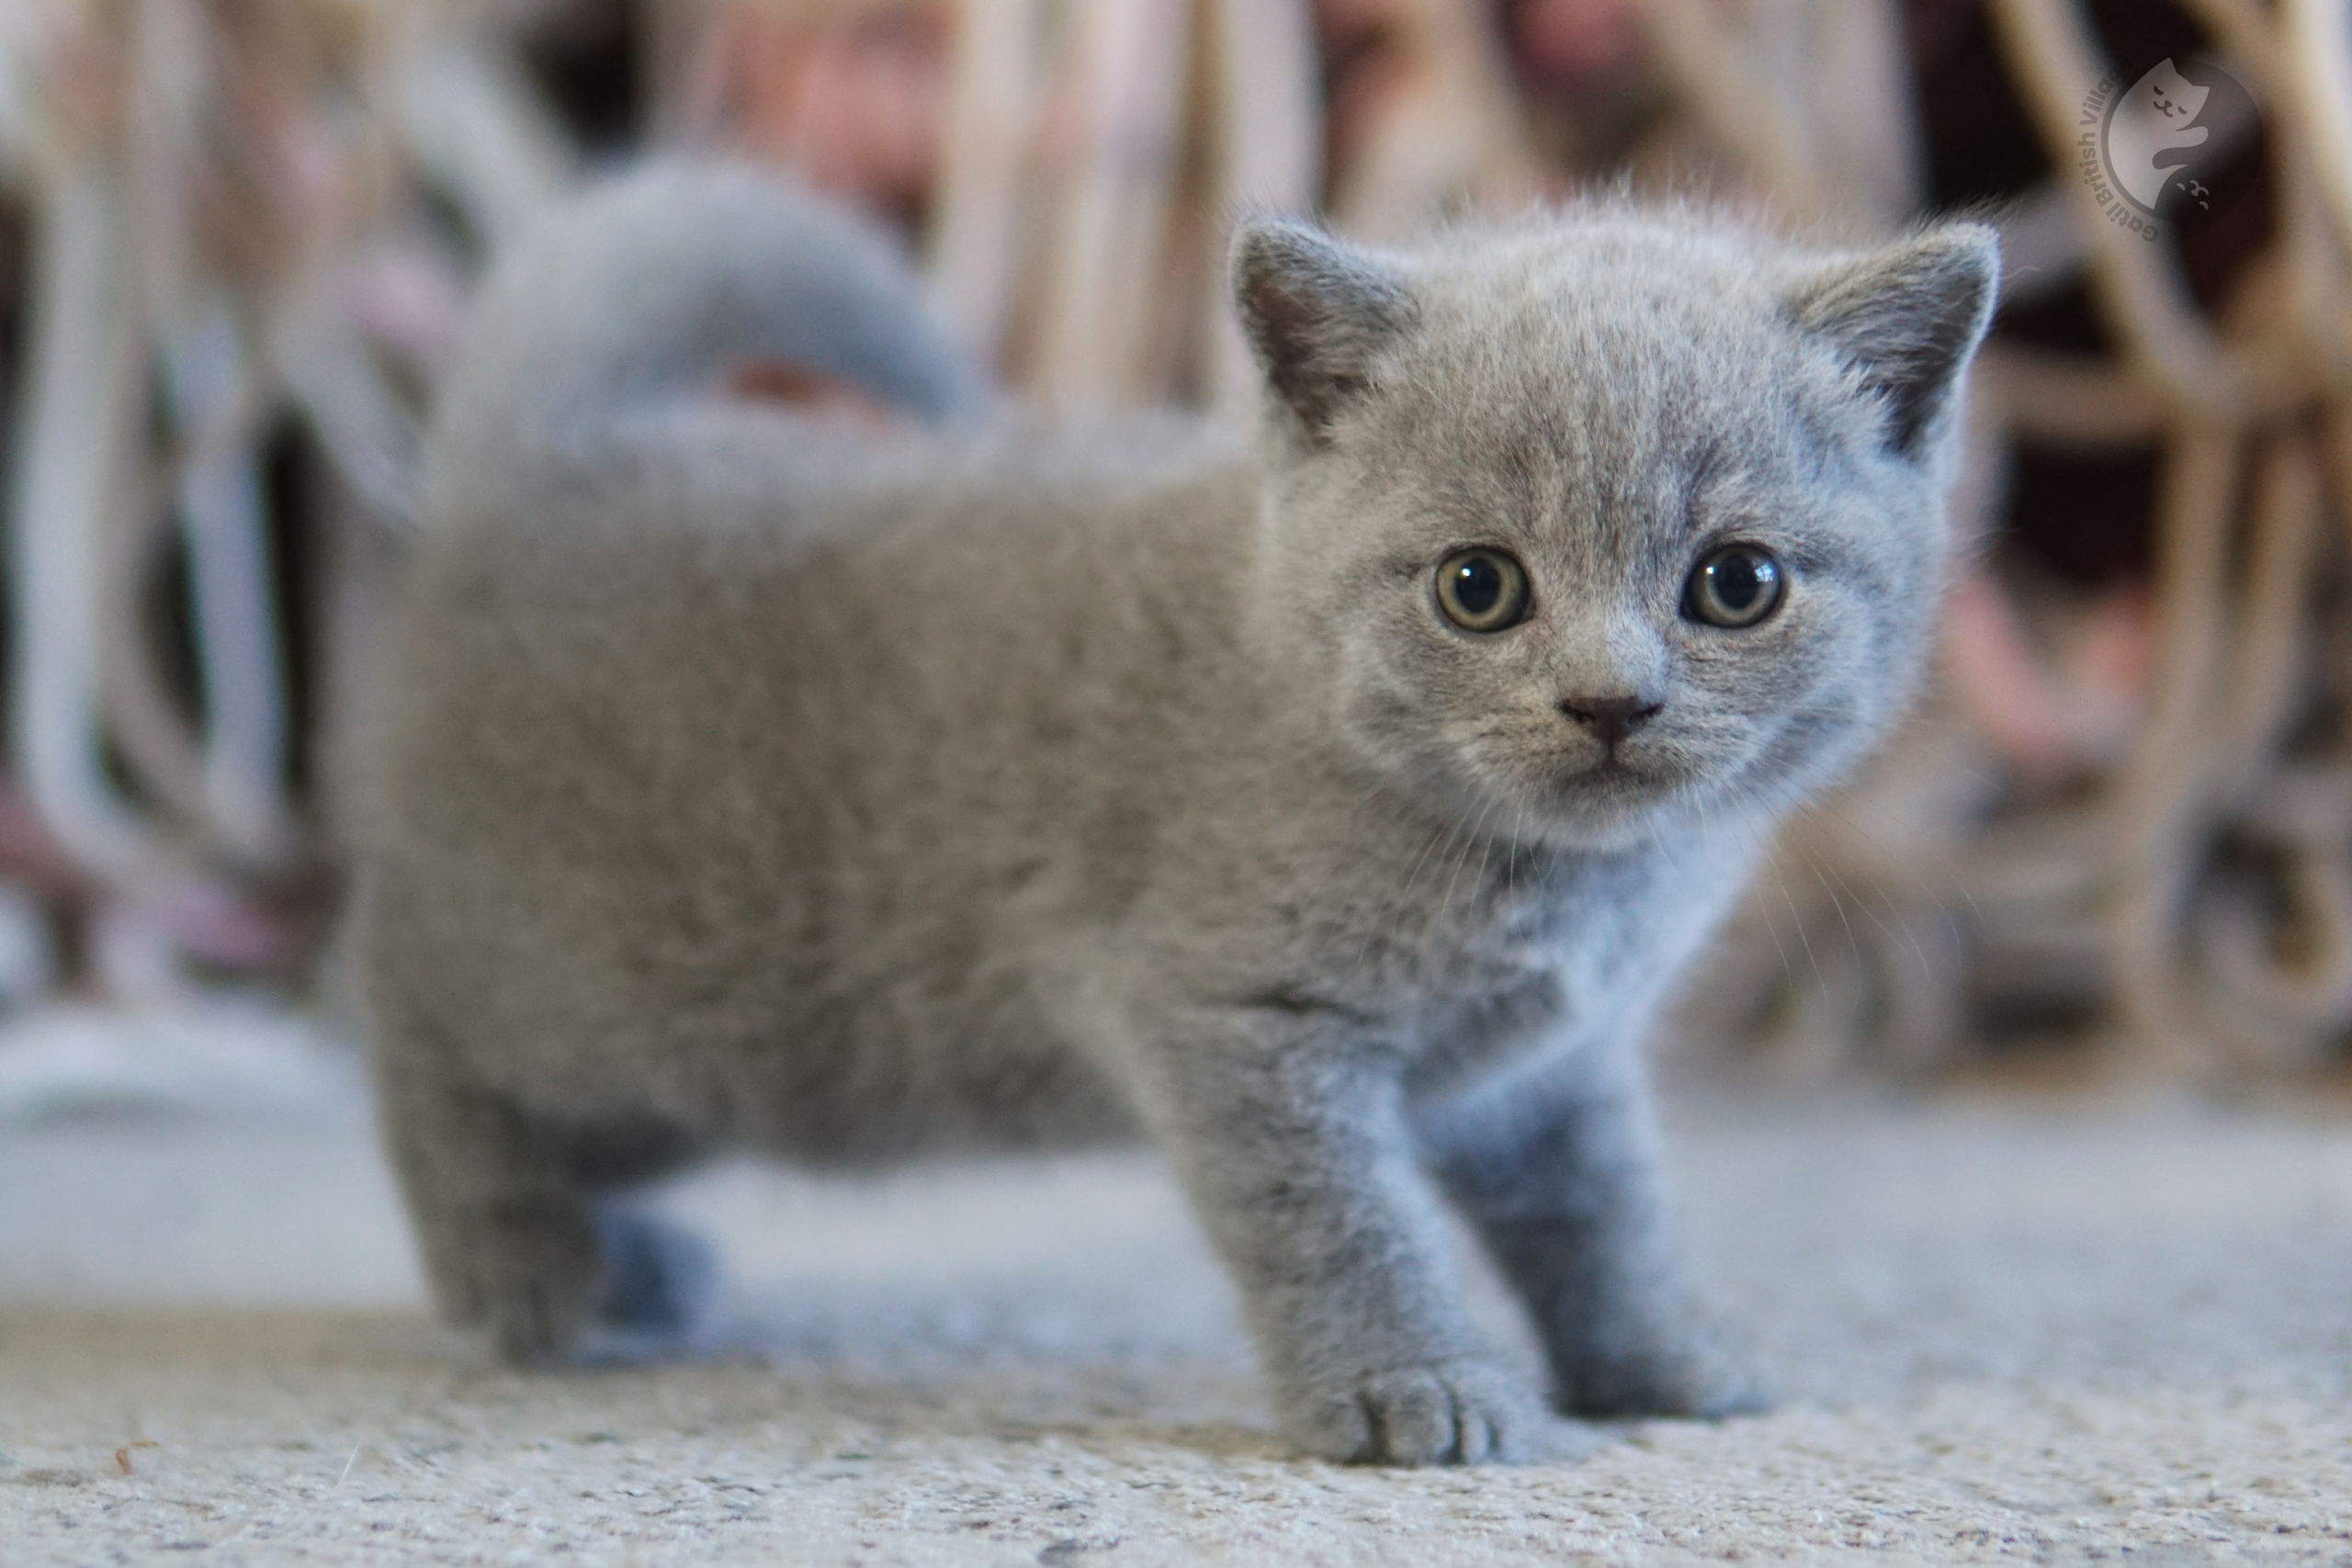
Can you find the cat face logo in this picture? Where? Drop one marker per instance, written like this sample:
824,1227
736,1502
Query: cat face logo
2166,146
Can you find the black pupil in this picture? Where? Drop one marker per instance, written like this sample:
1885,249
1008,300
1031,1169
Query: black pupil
1737,580
1477,585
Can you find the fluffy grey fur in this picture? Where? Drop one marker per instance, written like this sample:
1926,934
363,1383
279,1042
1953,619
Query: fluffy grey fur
753,785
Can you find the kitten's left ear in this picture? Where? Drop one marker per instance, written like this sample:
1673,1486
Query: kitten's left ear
1318,312
1908,317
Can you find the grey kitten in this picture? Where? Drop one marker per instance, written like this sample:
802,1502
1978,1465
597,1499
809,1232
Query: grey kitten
1334,808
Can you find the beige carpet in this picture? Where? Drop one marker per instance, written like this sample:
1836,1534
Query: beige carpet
2050,1337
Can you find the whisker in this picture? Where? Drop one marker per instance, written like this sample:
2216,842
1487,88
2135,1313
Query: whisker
1452,827
1835,902
1788,971
1485,849
1905,939
1805,940
1764,856
1927,892
1447,827
1446,903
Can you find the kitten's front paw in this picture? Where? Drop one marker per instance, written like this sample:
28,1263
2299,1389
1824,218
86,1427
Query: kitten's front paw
1458,1412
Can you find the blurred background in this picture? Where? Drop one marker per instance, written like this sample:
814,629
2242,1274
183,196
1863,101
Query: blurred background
237,236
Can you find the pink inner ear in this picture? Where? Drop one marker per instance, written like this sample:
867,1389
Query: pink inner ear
811,394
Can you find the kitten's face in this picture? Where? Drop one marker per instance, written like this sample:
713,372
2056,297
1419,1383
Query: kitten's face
1610,528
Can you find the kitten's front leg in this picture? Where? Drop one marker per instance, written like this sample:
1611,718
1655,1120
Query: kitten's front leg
1297,1155
1562,1184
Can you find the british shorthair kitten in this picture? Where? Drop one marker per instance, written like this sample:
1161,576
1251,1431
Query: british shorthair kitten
1332,805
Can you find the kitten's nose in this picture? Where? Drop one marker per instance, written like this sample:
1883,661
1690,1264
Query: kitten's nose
1610,719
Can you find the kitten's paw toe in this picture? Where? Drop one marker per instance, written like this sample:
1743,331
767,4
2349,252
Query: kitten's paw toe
1458,1412
658,1278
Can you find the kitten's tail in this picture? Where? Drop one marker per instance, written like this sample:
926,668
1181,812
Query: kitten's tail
636,296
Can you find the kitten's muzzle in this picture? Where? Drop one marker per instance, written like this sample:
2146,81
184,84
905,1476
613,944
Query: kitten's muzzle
1610,719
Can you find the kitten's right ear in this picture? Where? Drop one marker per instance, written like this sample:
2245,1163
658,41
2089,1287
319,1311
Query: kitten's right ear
1316,311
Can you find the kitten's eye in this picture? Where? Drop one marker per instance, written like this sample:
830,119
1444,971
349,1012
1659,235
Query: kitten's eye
1736,586
1482,590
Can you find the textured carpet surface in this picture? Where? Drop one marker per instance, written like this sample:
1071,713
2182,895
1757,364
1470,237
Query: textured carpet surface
2002,1335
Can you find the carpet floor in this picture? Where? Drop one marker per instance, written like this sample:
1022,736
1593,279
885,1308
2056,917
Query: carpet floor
2002,1335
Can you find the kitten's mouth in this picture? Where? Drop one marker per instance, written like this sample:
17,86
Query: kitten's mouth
1618,782
1613,764
1610,768
1609,801
1610,780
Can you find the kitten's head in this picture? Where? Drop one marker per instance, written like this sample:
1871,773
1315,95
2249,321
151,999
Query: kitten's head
1596,525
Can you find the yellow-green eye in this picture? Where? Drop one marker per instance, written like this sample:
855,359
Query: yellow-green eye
1736,586
1482,590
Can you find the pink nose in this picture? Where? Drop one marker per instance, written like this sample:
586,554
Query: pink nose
1610,719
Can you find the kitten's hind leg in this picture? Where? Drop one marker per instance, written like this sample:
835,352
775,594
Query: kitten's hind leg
503,1224
1564,1188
